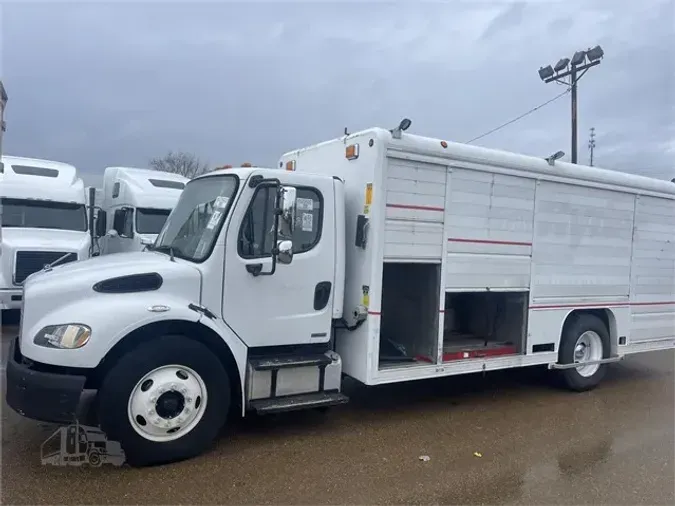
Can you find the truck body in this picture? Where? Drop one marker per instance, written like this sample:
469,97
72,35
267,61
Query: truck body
135,204
44,219
381,255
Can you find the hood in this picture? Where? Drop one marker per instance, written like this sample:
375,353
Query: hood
36,239
67,283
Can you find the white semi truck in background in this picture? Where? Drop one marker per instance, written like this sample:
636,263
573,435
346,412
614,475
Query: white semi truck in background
44,220
134,204
381,255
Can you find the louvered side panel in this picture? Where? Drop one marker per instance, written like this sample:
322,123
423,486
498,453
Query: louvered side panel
415,209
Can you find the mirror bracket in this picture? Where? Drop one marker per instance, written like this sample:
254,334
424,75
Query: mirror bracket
284,224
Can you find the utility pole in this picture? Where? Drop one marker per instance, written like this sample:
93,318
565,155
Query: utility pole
3,104
576,71
591,143
573,80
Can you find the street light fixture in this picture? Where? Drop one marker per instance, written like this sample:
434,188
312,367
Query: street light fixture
545,72
562,64
595,54
577,68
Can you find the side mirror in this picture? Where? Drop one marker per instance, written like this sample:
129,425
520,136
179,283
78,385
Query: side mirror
286,211
112,233
146,241
285,255
101,218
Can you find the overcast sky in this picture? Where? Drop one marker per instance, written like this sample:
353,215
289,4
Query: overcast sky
117,83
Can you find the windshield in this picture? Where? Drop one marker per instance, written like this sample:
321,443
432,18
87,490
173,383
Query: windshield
193,226
43,214
150,221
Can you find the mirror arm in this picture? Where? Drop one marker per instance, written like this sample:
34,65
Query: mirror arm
256,269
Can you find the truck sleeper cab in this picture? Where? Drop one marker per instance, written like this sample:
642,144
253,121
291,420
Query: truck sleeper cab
381,255
43,220
135,204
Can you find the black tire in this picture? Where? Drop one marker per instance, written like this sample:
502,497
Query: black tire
120,381
94,458
579,324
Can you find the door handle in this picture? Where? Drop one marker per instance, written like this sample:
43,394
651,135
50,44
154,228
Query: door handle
322,295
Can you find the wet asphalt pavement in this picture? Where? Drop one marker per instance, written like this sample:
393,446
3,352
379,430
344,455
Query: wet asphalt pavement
538,445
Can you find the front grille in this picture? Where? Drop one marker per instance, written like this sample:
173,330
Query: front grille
28,262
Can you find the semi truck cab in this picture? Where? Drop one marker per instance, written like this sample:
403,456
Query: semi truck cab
44,220
134,206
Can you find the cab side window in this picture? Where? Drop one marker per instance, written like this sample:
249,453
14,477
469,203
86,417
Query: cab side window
123,222
257,229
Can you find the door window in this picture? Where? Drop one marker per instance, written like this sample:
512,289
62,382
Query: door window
257,229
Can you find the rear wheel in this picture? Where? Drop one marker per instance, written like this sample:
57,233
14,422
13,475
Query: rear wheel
165,400
585,339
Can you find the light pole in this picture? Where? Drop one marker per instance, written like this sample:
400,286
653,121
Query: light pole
575,70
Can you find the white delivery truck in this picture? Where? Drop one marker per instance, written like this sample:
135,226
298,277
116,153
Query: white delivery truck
383,256
134,205
44,221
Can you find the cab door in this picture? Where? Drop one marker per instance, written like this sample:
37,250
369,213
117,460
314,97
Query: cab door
294,304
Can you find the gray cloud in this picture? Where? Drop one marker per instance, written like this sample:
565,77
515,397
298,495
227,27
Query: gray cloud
104,83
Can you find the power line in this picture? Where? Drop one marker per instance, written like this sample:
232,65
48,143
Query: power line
520,117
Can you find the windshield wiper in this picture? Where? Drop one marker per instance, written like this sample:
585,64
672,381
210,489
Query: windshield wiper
164,249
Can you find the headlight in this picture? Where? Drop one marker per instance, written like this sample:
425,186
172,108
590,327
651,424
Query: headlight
70,336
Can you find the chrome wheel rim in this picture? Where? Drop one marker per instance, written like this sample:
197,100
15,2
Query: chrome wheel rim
588,348
167,403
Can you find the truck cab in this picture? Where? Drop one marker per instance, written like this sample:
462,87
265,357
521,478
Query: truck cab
134,206
44,220
231,308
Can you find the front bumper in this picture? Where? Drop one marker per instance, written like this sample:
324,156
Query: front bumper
10,298
44,396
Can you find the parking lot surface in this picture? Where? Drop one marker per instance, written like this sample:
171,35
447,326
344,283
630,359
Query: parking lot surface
506,438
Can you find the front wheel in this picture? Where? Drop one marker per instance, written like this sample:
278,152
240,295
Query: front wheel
94,458
585,339
165,400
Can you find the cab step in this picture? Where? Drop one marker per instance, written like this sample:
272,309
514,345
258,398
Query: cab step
285,362
298,402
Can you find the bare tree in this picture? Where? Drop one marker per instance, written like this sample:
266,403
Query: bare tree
185,164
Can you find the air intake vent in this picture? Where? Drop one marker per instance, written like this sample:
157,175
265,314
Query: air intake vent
129,284
29,170
163,183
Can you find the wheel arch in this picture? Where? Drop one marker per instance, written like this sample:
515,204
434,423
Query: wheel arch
196,330
607,317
